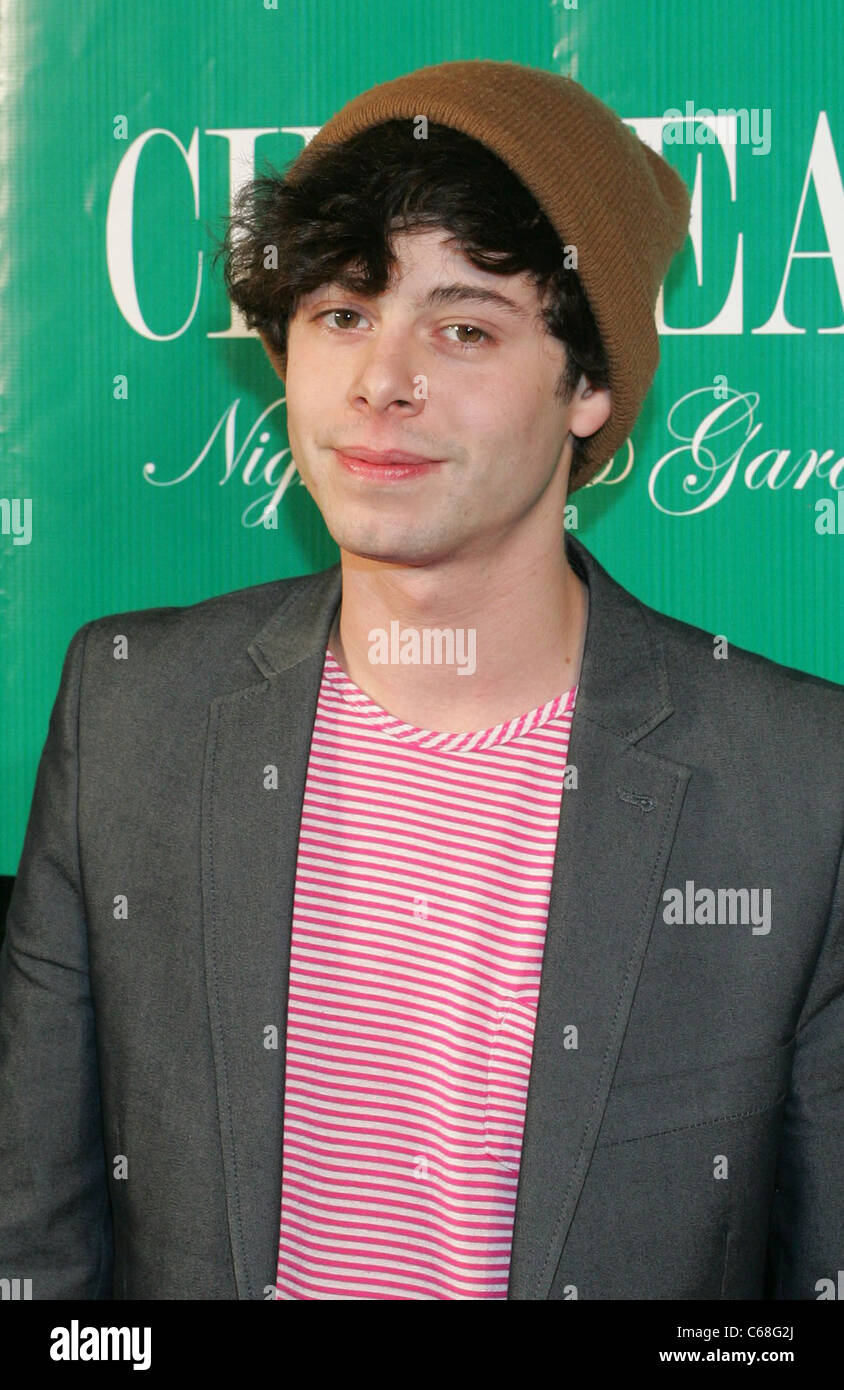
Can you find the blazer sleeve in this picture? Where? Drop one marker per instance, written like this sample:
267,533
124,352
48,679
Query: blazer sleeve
55,1217
807,1226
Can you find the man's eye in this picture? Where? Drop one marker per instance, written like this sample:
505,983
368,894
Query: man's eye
478,334
341,313
341,318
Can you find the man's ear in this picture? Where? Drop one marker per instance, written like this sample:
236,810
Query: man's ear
590,408
278,360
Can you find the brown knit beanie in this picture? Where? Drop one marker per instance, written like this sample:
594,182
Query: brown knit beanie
604,191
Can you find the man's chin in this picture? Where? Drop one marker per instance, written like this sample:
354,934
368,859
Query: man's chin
389,550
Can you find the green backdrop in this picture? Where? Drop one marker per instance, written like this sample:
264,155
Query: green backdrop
133,407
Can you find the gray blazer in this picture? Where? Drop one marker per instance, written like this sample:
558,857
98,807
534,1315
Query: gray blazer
690,1146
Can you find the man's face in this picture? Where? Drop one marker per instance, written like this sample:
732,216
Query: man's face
448,374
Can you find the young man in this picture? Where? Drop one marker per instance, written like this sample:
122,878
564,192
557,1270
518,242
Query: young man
448,924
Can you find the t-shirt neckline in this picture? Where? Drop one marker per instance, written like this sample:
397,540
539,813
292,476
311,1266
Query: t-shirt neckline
469,741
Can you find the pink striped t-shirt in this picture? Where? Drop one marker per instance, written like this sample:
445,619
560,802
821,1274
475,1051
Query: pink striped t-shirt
420,906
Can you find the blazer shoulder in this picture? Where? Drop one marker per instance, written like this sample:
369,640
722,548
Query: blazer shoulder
702,653
764,724
247,607
210,636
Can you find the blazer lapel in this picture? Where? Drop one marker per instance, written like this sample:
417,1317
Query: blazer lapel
615,835
250,835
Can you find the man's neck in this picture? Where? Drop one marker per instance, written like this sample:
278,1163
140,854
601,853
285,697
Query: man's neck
528,642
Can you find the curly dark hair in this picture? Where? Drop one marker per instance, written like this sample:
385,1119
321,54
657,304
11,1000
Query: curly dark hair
335,224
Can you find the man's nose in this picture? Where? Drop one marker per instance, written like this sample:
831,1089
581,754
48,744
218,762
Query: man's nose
387,372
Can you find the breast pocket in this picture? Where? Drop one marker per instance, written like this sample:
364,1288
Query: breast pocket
508,1072
733,1090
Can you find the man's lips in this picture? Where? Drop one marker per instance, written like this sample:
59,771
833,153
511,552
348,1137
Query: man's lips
387,456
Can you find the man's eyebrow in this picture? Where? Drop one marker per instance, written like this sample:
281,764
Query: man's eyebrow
440,294
452,294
